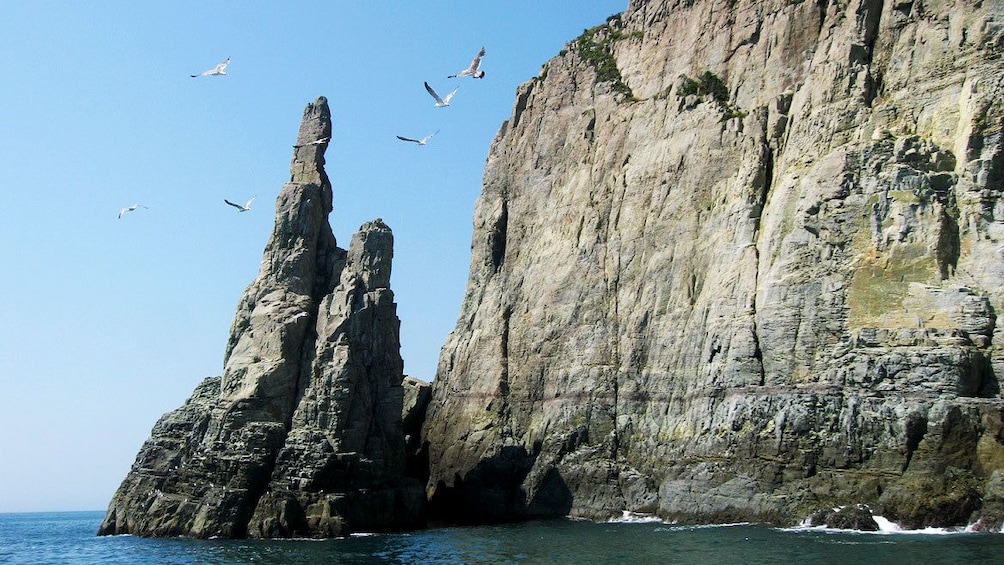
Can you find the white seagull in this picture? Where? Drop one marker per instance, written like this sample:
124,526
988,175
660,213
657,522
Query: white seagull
127,209
220,69
440,102
472,71
315,142
422,141
244,208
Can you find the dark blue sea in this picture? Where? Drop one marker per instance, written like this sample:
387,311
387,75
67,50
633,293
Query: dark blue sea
68,538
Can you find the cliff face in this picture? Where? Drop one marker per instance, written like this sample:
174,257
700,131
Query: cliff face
739,260
302,435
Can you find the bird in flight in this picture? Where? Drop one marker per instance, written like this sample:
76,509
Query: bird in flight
422,141
472,71
440,101
315,142
128,209
244,208
220,69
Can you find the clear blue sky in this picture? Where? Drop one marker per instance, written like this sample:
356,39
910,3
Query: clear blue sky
107,323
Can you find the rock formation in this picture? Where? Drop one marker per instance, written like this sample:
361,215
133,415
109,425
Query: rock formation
302,435
733,260
739,260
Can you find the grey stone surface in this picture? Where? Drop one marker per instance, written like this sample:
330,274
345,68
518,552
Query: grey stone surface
343,461
302,434
731,261
417,394
738,260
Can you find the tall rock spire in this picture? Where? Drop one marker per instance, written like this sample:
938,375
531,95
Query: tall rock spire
207,464
343,461
300,260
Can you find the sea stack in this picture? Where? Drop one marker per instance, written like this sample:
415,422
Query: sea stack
739,261
302,434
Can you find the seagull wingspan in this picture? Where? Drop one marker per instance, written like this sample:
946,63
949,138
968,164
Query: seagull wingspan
240,208
219,69
422,141
440,101
315,142
430,90
128,209
472,70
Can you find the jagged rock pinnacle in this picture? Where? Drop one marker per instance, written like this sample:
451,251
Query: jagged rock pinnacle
343,462
371,249
311,142
221,464
298,264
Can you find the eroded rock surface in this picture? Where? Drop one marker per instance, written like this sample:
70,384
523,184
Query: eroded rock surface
302,434
739,260
344,458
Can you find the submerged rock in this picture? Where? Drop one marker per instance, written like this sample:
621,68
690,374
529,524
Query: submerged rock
853,517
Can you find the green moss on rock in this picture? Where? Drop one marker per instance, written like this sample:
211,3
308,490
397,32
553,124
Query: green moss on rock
709,84
595,46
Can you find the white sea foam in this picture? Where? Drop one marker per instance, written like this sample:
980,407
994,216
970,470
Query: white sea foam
975,527
885,526
628,517
890,527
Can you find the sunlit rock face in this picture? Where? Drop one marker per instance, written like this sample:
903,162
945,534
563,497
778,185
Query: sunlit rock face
739,261
302,435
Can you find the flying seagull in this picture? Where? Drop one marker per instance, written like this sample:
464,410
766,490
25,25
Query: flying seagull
220,69
422,141
127,209
315,142
472,71
244,208
440,102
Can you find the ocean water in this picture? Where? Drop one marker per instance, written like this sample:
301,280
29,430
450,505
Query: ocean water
69,538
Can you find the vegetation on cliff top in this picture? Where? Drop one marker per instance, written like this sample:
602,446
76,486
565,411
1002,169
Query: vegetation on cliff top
595,46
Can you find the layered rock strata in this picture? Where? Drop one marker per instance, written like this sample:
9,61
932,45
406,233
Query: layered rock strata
739,260
302,435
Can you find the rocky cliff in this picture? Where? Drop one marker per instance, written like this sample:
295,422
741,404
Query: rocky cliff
739,260
302,435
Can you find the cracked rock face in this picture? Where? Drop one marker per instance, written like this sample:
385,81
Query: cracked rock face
343,460
310,394
739,261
